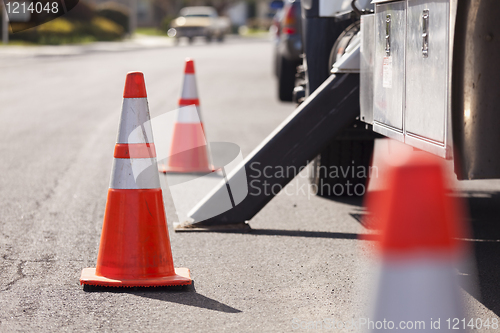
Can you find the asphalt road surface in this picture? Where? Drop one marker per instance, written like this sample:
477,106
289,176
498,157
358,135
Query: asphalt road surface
303,262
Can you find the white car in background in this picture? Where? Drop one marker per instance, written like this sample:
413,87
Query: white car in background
199,21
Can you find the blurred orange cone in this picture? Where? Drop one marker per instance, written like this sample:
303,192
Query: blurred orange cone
420,225
188,152
135,246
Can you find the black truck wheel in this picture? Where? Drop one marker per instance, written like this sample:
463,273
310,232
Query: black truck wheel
342,169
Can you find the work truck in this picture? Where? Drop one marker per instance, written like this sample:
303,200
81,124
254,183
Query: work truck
429,74
422,72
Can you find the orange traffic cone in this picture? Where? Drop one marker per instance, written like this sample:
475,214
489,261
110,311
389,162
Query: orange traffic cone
420,225
385,151
135,246
188,152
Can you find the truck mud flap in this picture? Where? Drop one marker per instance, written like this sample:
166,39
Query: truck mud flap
292,145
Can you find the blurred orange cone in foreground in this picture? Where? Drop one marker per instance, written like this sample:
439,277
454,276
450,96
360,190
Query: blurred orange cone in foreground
188,152
135,245
420,225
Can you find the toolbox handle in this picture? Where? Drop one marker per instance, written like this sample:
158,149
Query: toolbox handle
388,35
425,33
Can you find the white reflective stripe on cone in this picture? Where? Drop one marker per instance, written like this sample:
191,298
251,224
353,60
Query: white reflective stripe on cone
135,125
188,115
416,291
134,173
189,90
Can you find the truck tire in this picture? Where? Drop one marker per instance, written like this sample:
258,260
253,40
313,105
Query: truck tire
331,171
342,168
286,79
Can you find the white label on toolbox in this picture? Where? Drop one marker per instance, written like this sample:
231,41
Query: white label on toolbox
387,73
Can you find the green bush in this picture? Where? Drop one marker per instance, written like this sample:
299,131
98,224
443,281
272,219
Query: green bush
104,29
115,12
59,26
58,31
81,24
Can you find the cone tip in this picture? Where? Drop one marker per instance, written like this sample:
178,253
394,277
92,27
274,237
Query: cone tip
189,69
134,86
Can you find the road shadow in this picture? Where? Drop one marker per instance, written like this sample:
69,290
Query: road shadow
484,213
185,295
347,200
367,220
295,233
310,234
